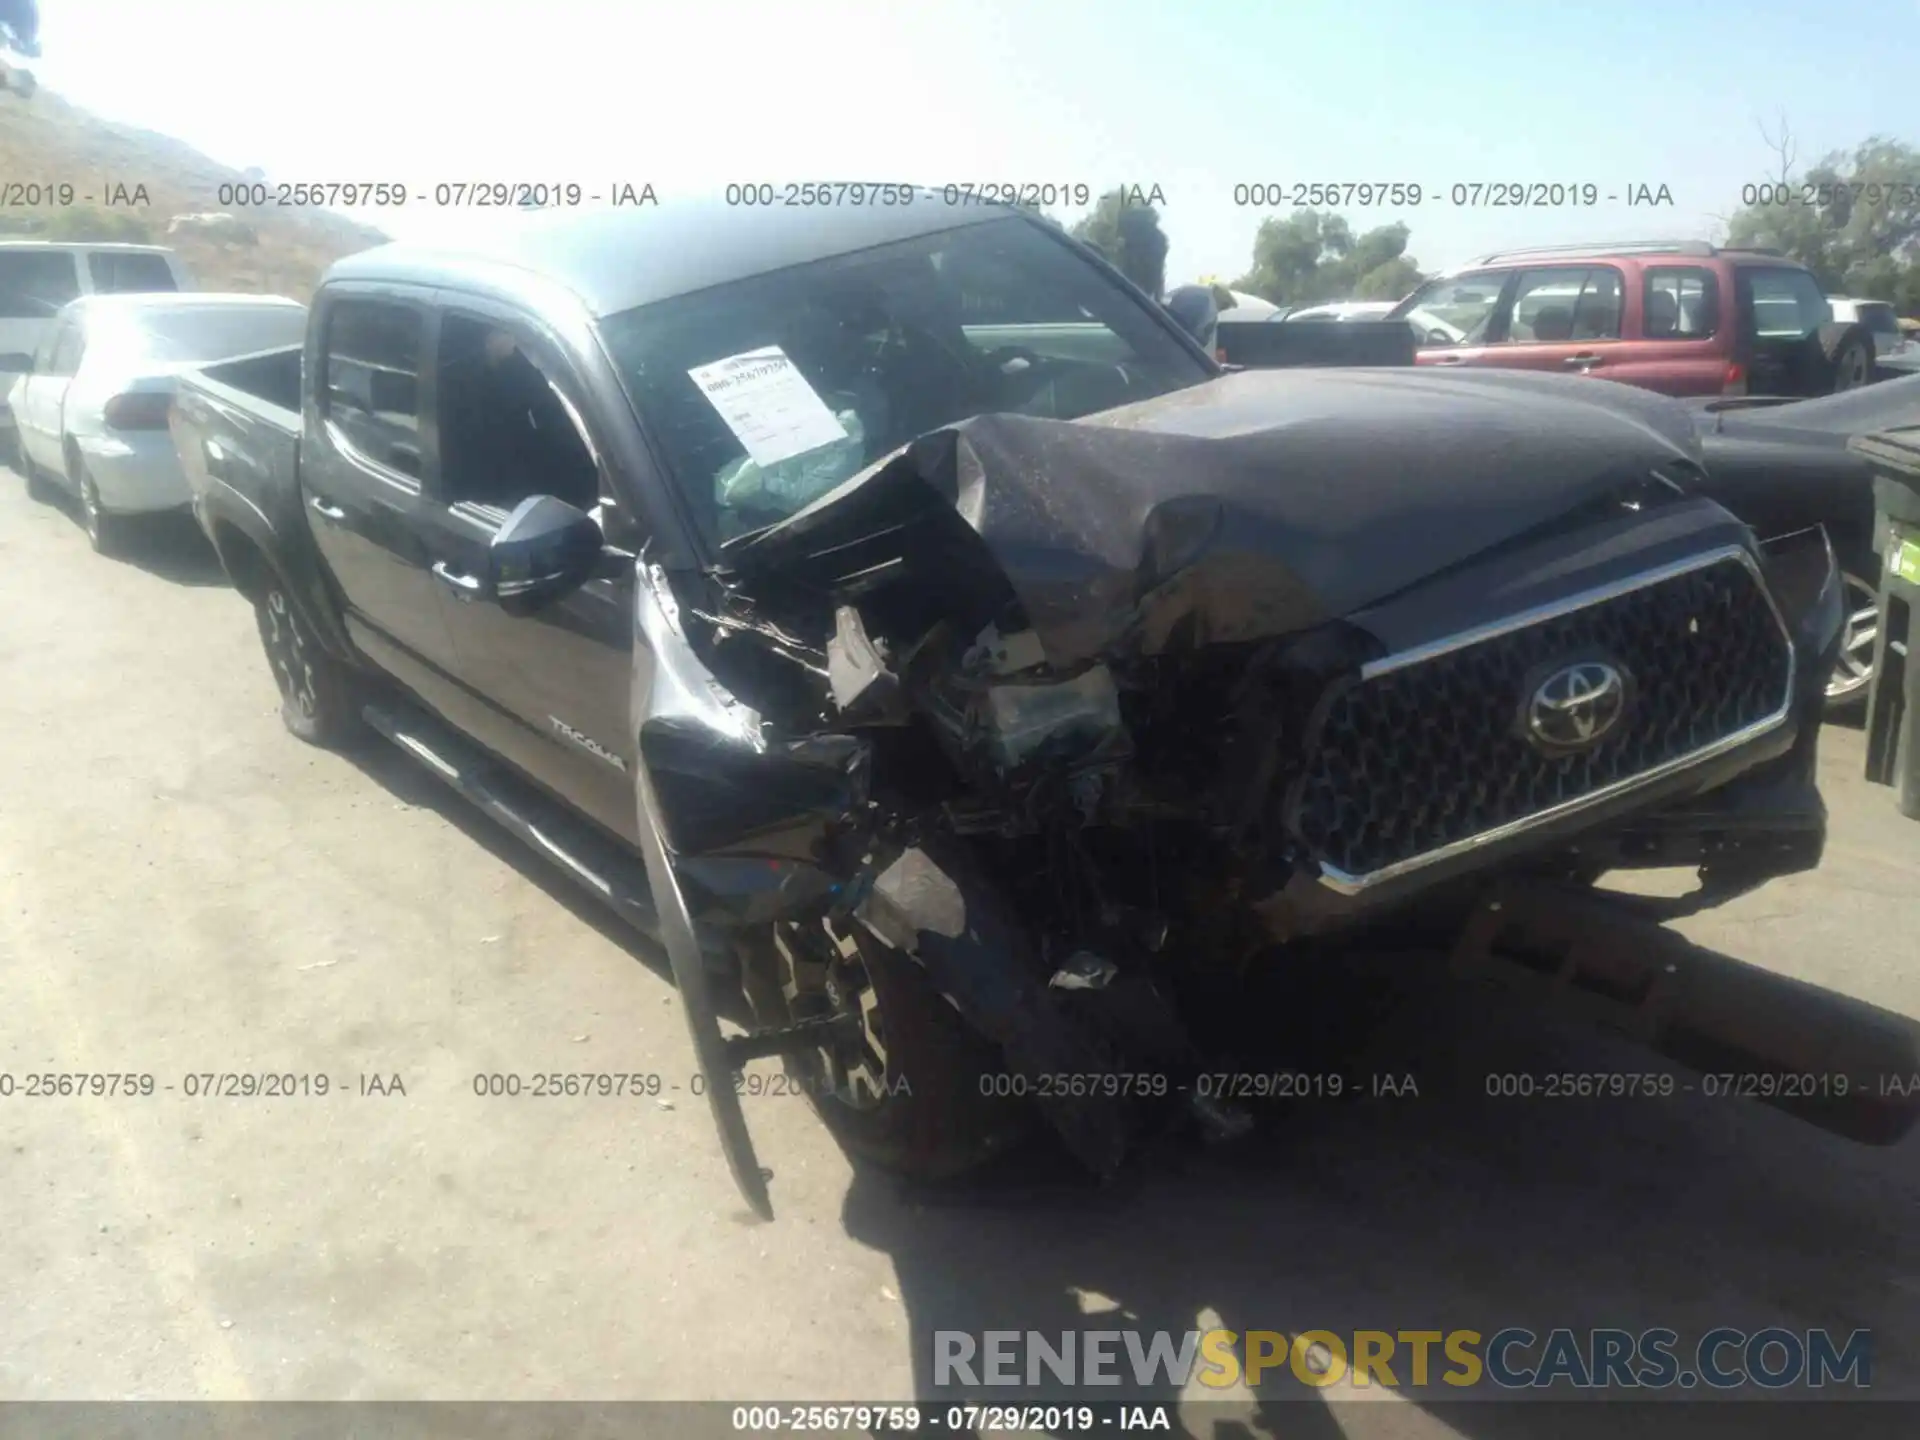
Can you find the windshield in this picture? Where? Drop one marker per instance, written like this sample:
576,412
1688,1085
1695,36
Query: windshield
209,333
1452,310
766,393
124,272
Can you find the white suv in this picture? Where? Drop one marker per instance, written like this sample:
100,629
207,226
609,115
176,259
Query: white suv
37,277
1879,317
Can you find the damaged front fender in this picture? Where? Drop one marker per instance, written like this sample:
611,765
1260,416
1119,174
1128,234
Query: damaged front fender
748,819
735,830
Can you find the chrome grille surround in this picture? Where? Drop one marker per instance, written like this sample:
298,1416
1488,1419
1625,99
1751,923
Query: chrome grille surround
1418,760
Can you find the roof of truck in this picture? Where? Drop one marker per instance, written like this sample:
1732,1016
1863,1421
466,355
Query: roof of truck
617,258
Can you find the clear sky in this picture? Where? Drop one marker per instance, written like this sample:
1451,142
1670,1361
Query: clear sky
1194,96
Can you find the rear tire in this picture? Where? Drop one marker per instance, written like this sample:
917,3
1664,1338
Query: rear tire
319,696
914,1093
1849,355
105,533
38,490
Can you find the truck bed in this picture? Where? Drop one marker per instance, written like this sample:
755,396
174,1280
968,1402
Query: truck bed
238,423
269,375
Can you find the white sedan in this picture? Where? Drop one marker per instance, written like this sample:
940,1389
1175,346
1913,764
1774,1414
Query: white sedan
1343,310
91,413
1429,327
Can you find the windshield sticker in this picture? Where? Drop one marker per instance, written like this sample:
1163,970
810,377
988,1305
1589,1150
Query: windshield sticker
768,405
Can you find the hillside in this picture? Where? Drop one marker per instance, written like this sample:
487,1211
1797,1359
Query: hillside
45,140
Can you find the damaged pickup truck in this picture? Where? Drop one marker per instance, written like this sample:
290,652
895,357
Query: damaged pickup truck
898,615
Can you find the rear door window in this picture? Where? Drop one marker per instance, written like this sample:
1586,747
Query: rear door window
68,346
43,356
136,272
371,384
1784,304
1680,302
36,283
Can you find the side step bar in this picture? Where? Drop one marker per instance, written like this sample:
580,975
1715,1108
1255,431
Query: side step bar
607,872
1838,1063
591,861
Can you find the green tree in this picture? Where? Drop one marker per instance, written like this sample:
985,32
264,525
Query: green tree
1378,267
1126,229
1853,218
1313,255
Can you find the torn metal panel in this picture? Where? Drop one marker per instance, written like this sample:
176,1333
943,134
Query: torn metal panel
865,691
980,953
748,817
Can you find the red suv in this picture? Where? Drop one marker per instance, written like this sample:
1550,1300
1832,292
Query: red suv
1680,317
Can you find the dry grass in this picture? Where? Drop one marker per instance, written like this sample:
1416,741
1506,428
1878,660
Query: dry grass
47,140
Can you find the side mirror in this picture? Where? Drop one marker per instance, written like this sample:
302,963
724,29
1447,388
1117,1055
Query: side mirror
16,363
1193,307
545,550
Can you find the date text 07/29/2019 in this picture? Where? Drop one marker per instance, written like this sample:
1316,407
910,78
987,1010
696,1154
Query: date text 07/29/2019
1459,194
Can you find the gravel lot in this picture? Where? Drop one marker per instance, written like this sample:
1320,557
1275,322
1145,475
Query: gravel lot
184,888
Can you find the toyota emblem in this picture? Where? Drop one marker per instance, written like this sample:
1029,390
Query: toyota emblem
1576,706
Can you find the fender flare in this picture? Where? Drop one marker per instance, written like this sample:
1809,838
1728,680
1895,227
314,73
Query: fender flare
239,531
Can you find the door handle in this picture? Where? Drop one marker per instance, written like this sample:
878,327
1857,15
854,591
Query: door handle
1448,360
1581,362
324,510
465,586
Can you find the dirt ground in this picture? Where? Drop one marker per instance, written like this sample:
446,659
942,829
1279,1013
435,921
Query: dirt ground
185,890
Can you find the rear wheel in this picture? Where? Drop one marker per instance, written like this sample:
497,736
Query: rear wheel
319,699
105,533
38,490
1849,353
906,1084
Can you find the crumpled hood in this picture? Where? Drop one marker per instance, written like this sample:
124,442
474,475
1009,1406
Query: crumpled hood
1259,503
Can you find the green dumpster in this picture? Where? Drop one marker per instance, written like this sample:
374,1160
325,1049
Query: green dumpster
1893,702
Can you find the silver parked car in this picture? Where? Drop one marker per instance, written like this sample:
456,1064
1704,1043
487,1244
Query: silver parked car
91,410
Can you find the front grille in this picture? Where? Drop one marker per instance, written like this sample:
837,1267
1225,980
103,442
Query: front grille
1432,754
